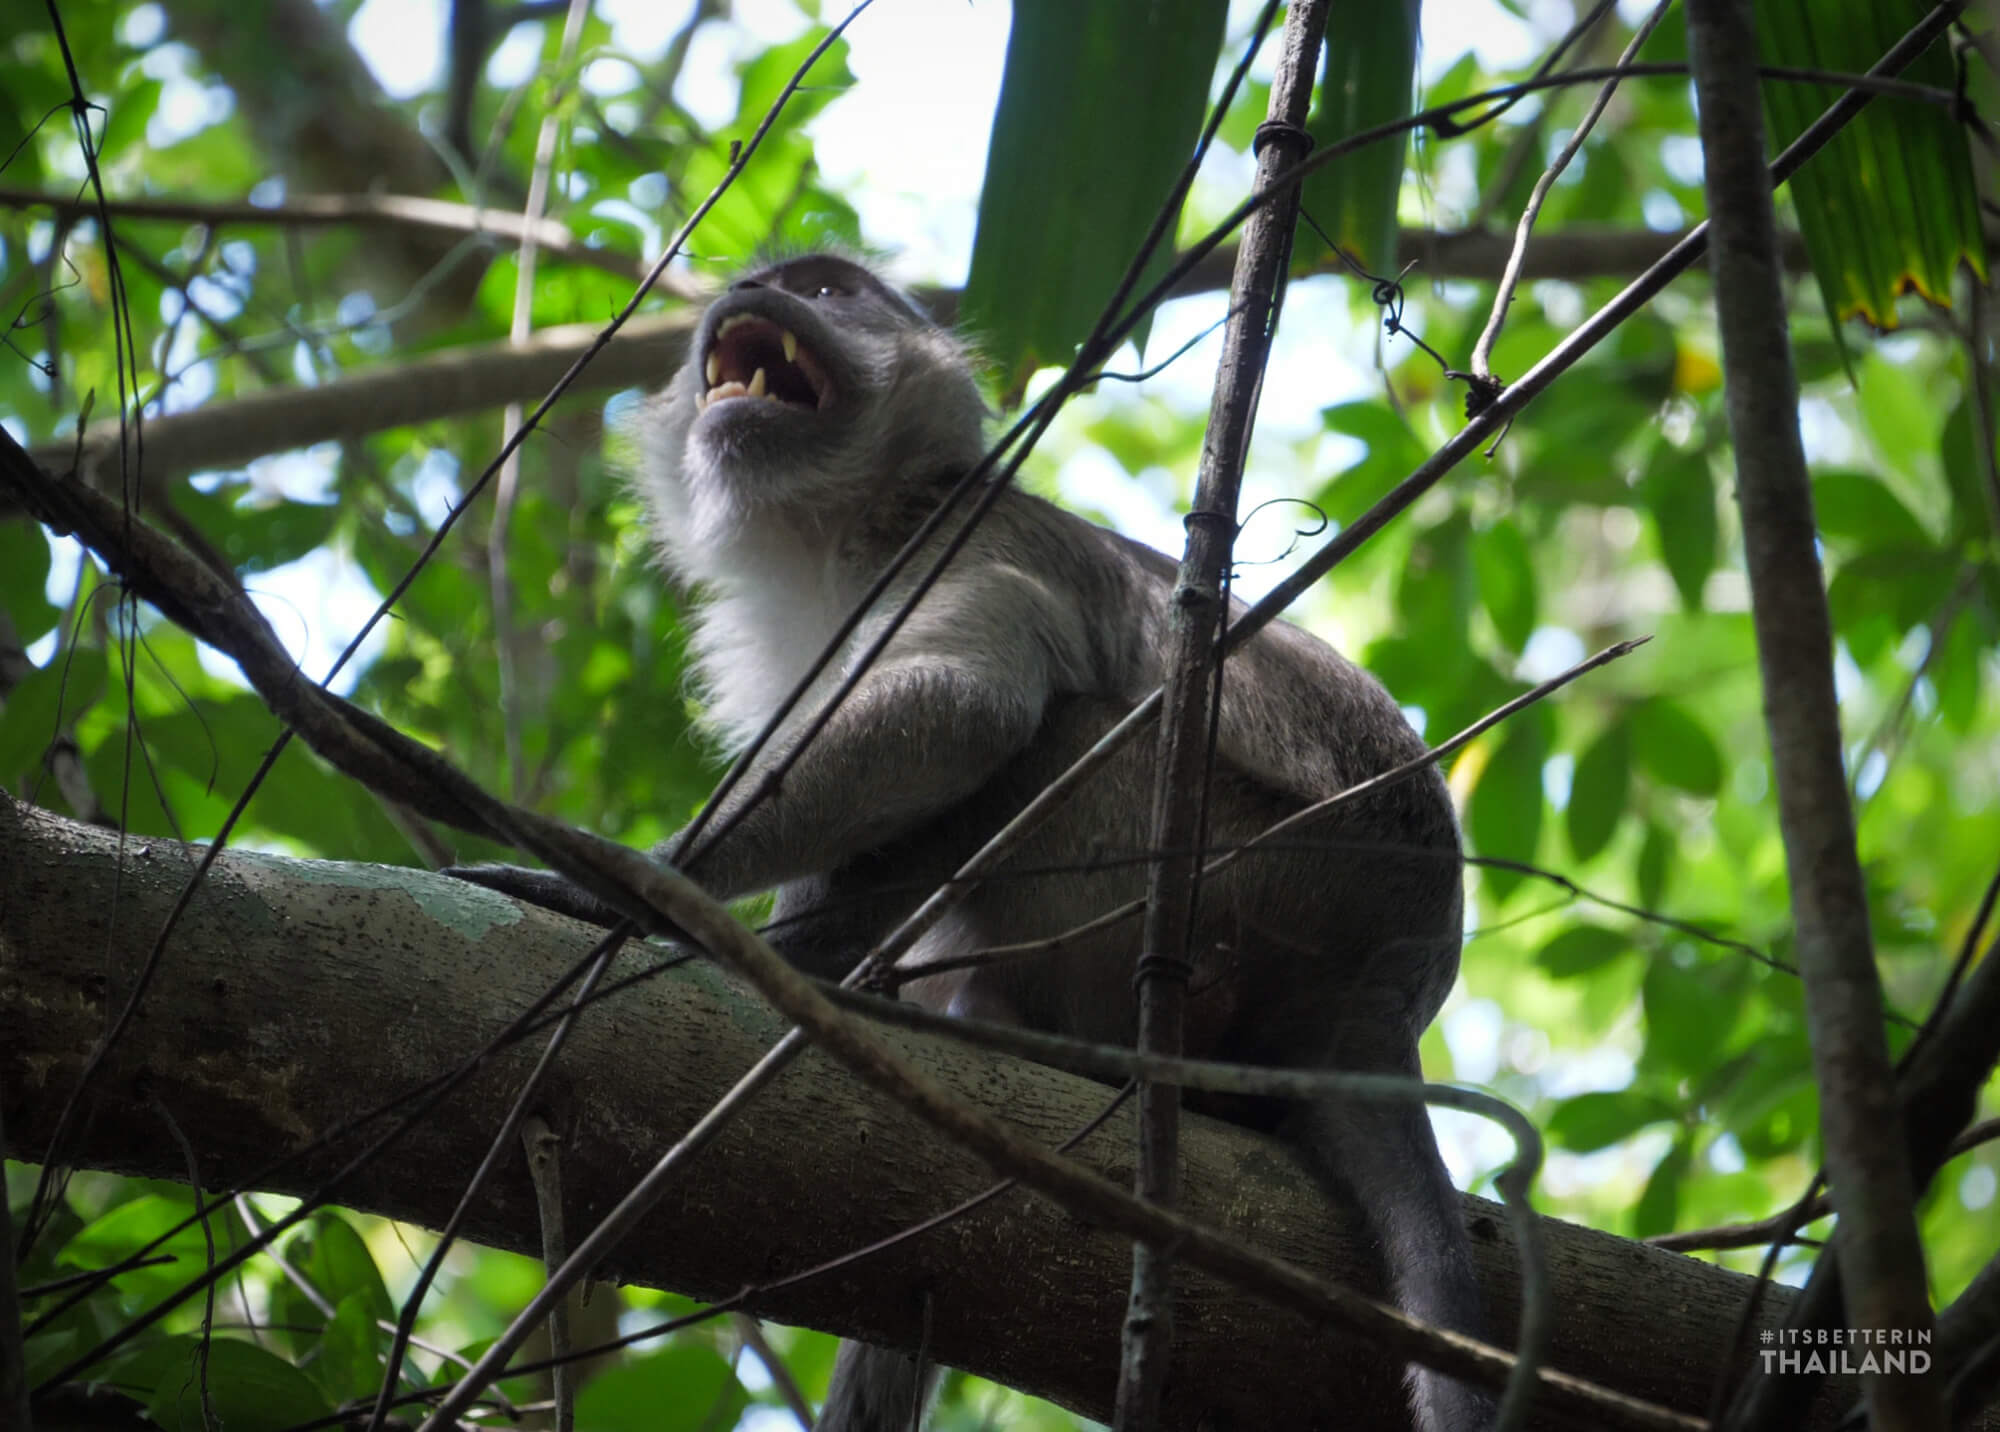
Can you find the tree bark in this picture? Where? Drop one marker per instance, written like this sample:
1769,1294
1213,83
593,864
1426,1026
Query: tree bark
475,378
299,994
1880,1255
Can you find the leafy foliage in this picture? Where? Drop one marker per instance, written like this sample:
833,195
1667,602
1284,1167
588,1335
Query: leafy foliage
1122,103
1907,166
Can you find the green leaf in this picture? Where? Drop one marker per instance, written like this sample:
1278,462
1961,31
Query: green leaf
351,1350
1393,451
1504,816
1858,508
1878,596
1656,858
48,1352
1958,673
47,700
249,1389
1658,1208
1693,1007
1506,572
1368,79
775,201
333,1258
24,577
683,1388
1674,748
1436,586
1598,790
1590,1122
1958,450
111,1239
1907,167
1680,496
126,126
1581,949
257,535
1099,109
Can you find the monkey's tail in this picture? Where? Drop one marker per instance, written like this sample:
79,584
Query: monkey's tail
1384,1156
875,1389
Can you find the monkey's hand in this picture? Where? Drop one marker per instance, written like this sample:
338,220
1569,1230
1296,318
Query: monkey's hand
539,887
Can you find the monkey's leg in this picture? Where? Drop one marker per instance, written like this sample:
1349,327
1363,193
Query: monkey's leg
876,1389
1385,1157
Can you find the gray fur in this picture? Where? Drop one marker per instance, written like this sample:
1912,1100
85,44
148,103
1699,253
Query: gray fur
1045,630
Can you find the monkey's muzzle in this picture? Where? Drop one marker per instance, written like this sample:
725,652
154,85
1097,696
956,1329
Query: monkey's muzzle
752,357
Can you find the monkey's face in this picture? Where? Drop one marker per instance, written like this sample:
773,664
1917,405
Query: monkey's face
811,381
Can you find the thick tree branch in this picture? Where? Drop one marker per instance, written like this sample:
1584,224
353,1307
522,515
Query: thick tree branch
480,377
1968,1342
1582,253
267,1026
404,213
1867,1161
13,1367
473,379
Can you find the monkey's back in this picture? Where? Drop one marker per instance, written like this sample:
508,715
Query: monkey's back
1369,895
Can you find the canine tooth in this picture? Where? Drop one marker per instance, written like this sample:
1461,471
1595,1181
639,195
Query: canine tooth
791,345
756,388
714,370
815,377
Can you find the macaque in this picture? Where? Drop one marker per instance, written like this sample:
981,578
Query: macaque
820,419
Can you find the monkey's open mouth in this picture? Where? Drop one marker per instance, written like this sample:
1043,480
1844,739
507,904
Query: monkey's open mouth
752,357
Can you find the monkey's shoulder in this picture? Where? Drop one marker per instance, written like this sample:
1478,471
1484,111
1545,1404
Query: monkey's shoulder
1296,714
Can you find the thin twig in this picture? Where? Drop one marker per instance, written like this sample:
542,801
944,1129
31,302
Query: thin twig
751,1333
1781,1225
1886,738
206,1337
1503,298
1191,688
544,1151
13,1363
131,449
500,583
497,1149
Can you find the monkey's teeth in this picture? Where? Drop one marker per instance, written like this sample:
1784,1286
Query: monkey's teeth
714,370
806,363
756,388
791,345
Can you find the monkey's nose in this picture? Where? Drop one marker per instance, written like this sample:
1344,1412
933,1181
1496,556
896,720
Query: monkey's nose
743,283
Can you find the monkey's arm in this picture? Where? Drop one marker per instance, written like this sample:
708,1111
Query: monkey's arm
922,732
918,736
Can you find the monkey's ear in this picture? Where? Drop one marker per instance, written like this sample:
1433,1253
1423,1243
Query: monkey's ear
539,887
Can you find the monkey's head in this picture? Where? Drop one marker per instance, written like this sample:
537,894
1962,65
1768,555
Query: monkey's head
811,389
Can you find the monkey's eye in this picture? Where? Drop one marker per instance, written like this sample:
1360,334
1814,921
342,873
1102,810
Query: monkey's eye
829,290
